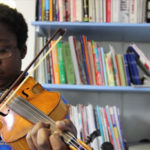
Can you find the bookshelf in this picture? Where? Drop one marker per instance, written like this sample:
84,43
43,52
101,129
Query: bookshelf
134,102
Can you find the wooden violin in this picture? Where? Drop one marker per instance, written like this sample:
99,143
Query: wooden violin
27,103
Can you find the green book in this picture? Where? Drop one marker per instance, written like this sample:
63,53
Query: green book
69,69
61,64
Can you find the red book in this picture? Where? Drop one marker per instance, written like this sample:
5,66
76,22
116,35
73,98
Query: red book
108,10
108,128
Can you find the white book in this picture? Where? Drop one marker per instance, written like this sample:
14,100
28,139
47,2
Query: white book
97,10
74,59
124,11
79,10
40,70
115,5
91,10
104,10
61,7
101,11
133,11
91,125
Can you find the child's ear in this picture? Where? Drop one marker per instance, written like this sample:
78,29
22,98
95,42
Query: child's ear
23,51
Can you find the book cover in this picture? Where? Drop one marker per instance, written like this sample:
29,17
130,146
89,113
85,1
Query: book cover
96,64
69,69
134,73
80,61
46,10
61,65
115,68
99,117
111,127
104,65
127,74
109,69
74,59
87,60
91,61
121,70
101,66
85,11
55,64
84,59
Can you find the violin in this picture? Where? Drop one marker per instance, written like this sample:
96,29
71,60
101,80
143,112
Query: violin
26,103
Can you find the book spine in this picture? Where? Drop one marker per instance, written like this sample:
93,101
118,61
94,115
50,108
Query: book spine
84,59
74,58
61,63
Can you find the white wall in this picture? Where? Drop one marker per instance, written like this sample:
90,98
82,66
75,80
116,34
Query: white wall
27,8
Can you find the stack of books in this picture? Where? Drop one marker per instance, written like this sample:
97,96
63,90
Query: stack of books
106,119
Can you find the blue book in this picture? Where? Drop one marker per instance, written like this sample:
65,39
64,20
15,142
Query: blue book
100,123
84,60
134,73
104,67
128,79
46,17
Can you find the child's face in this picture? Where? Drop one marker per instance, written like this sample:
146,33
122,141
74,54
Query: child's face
10,64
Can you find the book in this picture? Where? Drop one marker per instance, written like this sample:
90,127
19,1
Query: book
140,57
61,65
96,63
80,61
104,66
91,61
84,59
69,69
74,59
121,70
109,69
126,67
55,64
115,68
134,73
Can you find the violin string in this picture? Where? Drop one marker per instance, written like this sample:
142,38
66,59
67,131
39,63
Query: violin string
24,108
29,74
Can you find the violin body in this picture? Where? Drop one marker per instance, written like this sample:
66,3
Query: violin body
14,127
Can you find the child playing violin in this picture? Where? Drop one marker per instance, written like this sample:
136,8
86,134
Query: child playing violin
13,36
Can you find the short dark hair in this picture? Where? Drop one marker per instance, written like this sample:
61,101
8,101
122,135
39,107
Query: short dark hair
15,22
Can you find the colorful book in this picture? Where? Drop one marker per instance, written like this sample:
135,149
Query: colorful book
84,59
80,61
104,65
121,70
109,69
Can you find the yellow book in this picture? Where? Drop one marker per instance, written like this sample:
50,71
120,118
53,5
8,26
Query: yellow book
109,70
121,70
55,65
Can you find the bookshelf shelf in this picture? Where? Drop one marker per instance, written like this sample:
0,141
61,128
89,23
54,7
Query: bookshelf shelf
96,88
99,31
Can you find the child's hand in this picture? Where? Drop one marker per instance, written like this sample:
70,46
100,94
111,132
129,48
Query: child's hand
40,137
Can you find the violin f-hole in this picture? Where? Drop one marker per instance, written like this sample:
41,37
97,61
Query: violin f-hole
24,93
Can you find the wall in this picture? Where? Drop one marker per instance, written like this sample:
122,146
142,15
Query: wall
27,8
